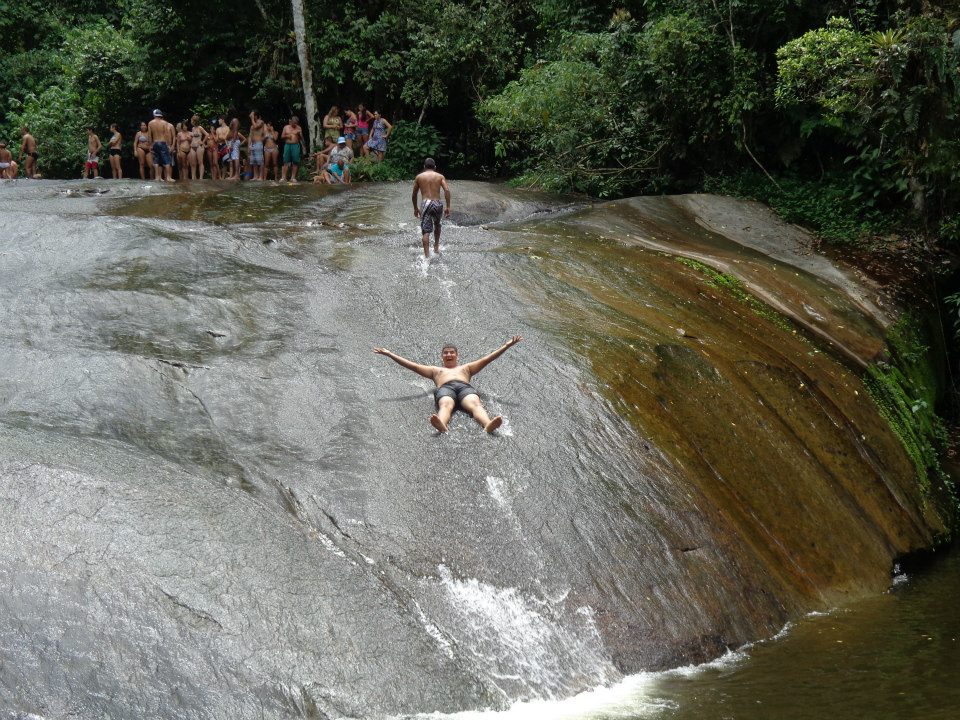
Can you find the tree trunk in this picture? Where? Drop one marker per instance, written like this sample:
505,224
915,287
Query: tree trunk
918,195
306,74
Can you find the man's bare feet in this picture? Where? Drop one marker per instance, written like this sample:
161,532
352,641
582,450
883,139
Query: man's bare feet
494,424
438,423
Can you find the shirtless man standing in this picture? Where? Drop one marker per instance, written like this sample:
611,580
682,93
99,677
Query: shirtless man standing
162,136
453,384
94,146
255,143
428,184
292,135
29,148
8,168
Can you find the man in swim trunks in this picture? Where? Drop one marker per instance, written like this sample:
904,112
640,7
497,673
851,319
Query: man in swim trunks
29,148
162,136
428,184
223,151
292,135
255,143
453,384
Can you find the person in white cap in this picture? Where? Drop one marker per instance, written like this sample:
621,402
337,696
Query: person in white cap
342,156
162,136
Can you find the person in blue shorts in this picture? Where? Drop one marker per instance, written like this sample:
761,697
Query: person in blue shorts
292,135
162,136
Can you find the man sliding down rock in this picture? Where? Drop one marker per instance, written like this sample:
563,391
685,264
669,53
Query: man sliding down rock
453,384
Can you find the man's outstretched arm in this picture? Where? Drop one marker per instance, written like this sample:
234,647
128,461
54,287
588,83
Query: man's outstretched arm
478,365
425,370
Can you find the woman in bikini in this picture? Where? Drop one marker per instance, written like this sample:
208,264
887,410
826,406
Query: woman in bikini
114,145
183,151
198,141
270,152
332,124
212,155
363,125
142,148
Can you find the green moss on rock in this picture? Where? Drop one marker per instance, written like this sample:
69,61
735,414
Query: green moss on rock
906,387
733,286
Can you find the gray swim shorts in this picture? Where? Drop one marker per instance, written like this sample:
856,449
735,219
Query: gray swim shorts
256,153
456,389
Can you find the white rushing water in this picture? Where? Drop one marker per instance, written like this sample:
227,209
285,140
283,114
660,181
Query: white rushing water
632,698
529,646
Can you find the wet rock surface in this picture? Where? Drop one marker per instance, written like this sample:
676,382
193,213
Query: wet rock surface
217,502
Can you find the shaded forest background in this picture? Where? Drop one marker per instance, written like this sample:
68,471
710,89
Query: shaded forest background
842,115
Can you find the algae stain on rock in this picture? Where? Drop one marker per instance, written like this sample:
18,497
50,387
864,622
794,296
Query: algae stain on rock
906,389
808,491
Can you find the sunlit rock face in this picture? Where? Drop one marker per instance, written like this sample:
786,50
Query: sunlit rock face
218,502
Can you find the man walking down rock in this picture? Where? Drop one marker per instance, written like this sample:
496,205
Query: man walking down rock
428,184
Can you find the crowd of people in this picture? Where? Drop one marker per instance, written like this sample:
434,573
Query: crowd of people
219,148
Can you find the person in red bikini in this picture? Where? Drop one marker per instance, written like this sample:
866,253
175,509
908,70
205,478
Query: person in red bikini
364,118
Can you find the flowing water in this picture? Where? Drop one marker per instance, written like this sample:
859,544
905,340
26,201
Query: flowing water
218,502
889,657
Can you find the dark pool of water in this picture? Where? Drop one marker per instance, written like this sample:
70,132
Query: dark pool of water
893,656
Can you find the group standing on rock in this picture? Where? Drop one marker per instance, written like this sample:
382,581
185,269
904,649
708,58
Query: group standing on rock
191,148
195,149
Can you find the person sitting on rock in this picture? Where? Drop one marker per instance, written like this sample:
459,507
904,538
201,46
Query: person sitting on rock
453,384
8,166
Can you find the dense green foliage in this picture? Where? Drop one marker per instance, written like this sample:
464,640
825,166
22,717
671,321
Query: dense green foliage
861,97
66,63
409,145
891,96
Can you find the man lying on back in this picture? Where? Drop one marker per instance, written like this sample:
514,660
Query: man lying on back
453,384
